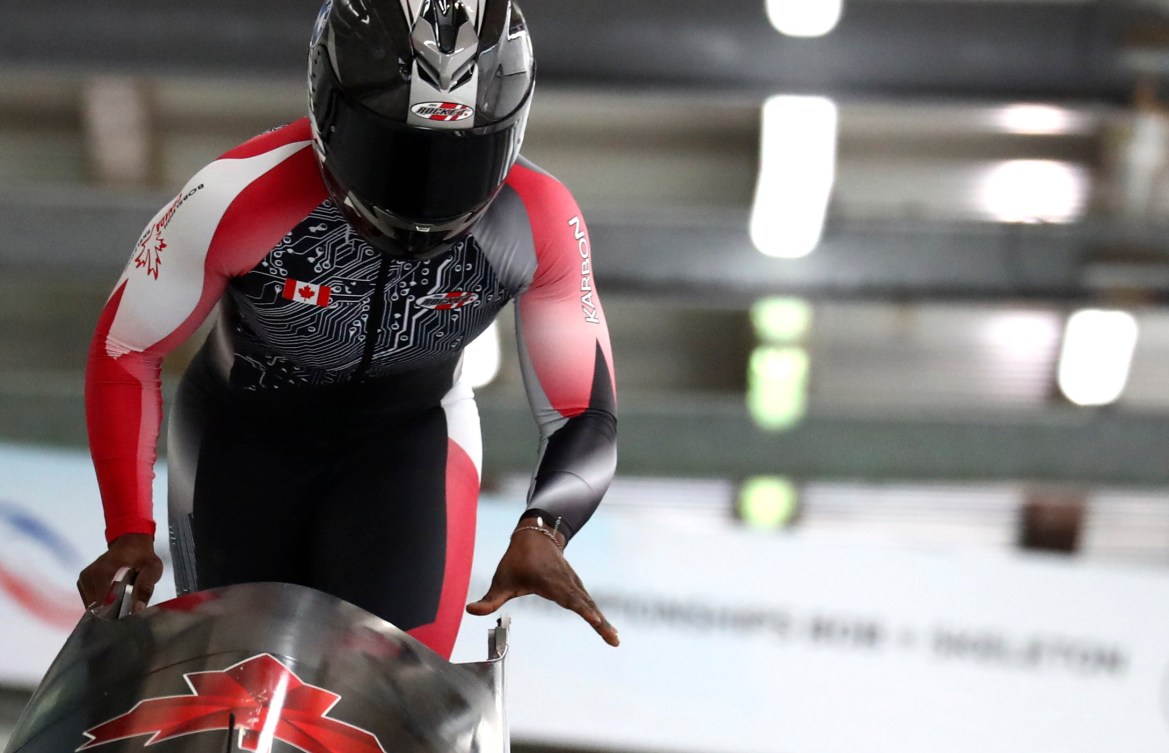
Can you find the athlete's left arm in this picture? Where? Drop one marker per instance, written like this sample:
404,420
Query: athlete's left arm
568,369
568,373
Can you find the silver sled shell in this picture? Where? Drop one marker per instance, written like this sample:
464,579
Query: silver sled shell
409,699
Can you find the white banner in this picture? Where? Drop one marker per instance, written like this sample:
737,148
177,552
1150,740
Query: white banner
752,643
732,641
50,528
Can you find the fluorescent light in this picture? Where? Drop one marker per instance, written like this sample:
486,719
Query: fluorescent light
768,502
777,386
1097,355
1034,191
1038,120
1020,336
482,357
780,321
797,168
804,18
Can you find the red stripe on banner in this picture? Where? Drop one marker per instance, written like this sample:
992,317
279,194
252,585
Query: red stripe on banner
462,502
46,604
323,297
290,286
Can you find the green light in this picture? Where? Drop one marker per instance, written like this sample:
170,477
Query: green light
768,502
781,321
777,386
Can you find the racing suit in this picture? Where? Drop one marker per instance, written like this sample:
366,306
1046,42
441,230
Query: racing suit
323,434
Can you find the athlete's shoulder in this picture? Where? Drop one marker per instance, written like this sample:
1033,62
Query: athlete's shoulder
295,134
245,201
533,182
547,200
558,230
288,148
280,158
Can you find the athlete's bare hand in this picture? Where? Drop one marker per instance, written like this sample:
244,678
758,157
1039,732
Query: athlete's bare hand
534,564
133,550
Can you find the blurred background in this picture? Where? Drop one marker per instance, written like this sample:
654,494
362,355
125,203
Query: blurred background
884,274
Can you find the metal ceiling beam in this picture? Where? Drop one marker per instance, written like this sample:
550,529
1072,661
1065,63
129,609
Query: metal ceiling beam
954,49
909,48
711,260
889,259
715,438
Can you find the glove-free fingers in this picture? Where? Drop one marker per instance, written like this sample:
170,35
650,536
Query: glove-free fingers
583,604
88,586
149,574
601,624
143,594
492,601
579,602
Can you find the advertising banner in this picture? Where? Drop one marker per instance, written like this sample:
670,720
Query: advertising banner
755,643
732,640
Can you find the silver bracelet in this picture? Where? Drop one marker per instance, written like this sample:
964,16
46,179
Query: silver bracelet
549,533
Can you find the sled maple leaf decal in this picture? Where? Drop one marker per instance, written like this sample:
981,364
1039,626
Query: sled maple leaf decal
260,697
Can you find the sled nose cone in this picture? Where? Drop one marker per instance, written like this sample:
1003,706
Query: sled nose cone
242,667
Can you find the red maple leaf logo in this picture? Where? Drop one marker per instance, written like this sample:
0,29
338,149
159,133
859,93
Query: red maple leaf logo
150,252
306,292
260,697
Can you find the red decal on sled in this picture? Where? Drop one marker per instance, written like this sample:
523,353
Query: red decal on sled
260,697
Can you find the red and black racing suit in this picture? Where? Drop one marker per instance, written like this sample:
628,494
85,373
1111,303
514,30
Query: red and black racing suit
323,435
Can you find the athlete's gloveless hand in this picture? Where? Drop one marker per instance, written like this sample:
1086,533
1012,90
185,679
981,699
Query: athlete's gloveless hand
132,550
534,563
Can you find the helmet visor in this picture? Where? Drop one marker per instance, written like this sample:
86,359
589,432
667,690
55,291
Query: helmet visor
420,176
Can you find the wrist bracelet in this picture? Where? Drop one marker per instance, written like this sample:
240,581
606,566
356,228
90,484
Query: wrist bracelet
550,534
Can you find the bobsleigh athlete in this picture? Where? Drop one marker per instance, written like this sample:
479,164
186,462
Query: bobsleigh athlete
323,435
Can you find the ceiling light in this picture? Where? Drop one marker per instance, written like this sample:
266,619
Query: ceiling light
777,386
797,168
1011,336
1034,191
1038,120
1097,355
804,18
781,321
767,502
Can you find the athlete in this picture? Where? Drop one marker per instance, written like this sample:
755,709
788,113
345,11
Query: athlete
323,434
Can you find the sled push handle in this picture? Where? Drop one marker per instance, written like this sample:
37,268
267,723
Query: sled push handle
119,600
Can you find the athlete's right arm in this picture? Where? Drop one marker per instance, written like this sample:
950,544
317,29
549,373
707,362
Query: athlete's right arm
163,295
220,225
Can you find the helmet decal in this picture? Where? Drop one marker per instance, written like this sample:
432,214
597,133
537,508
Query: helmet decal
442,111
322,21
445,42
446,49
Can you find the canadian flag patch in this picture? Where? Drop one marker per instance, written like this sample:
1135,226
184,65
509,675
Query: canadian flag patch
306,292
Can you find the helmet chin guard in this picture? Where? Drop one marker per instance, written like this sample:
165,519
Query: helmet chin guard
418,110
414,242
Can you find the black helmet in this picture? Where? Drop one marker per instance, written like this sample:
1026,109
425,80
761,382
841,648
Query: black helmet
418,110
